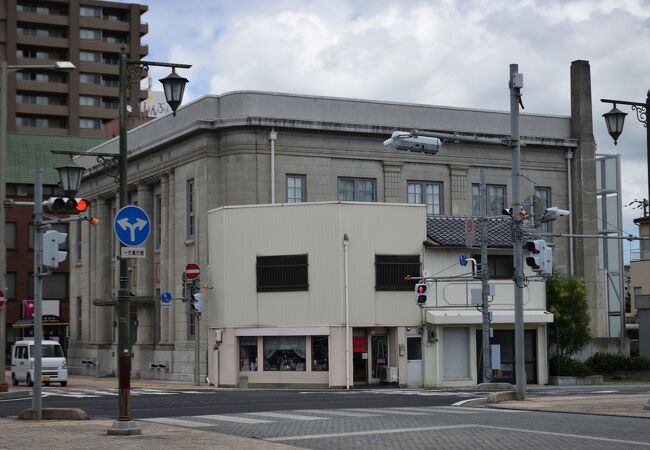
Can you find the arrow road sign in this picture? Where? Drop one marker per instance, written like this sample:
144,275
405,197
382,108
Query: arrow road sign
132,225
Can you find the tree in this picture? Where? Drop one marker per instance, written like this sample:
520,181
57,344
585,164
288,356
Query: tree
566,298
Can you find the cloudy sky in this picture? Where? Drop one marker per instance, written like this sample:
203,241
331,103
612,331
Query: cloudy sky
454,53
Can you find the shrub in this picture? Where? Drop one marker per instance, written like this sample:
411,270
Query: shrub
566,298
609,363
569,367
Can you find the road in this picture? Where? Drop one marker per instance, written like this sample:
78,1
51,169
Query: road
377,419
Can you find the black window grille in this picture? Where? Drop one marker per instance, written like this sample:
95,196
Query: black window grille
391,272
282,273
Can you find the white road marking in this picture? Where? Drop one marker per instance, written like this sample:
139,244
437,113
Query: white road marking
438,409
225,418
337,412
462,402
603,392
285,416
386,411
366,433
177,422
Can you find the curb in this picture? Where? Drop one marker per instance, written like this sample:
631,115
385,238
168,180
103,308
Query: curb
498,397
15,395
56,414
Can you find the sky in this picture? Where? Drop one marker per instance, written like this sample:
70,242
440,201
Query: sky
449,53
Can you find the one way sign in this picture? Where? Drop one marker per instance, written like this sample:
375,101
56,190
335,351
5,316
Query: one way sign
132,225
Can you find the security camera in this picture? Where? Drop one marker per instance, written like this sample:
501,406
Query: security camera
554,213
403,140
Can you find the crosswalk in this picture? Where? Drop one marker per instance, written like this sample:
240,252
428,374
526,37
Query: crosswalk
271,417
108,392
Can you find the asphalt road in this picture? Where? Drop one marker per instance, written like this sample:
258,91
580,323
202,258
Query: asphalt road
147,403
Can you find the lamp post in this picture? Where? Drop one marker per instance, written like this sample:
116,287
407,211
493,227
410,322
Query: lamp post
615,118
4,72
174,86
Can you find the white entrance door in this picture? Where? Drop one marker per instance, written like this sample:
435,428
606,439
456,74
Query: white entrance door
414,361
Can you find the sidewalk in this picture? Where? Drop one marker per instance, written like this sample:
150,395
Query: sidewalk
626,405
85,434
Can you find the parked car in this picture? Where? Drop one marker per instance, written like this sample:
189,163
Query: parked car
53,363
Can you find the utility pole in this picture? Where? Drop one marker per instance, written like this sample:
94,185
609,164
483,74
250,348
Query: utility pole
38,295
516,83
485,285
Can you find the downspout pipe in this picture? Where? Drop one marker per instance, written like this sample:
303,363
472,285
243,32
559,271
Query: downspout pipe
273,135
346,244
569,157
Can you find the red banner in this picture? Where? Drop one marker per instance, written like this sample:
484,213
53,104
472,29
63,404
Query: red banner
28,308
359,344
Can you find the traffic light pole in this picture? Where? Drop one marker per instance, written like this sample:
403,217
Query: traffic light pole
515,84
38,296
485,285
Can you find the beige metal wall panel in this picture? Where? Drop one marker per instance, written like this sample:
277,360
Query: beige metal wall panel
239,234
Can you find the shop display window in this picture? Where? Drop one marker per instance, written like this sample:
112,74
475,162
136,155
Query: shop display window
248,353
319,353
286,353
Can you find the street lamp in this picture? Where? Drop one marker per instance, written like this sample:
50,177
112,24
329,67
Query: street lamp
615,118
70,175
174,85
4,72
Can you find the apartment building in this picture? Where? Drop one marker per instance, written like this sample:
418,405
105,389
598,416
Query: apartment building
88,33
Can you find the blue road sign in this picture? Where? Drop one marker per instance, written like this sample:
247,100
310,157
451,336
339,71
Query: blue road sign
462,260
132,225
166,298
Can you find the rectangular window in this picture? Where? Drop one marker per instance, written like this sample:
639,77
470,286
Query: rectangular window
356,189
89,100
24,99
285,353
85,55
190,224
638,291
10,282
55,286
78,249
90,78
427,193
157,312
295,188
158,221
496,199
248,353
391,272
541,201
91,124
320,353
79,318
282,273
499,266
86,33
32,76
90,11
455,353
10,235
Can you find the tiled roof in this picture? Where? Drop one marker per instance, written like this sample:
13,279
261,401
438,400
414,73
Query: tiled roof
27,152
450,231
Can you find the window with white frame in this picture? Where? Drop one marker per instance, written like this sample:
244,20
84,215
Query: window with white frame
190,224
295,188
496,199
357,189
428,193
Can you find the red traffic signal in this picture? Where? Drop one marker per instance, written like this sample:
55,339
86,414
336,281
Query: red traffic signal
421,293
65,205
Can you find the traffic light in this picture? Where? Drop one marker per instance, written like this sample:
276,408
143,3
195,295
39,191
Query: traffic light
540,258
197,303
52,256
421,293
65,205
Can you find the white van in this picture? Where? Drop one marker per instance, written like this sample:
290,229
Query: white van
54,365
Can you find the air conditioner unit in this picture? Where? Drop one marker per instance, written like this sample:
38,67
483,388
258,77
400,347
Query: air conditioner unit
388,374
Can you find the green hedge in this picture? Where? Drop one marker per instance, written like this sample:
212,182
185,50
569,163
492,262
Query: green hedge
569,367
604,363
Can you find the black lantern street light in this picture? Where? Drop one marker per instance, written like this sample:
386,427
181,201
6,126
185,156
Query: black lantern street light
70,176
615,118
174,86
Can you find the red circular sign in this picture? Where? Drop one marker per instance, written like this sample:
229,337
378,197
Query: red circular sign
192,271
2,299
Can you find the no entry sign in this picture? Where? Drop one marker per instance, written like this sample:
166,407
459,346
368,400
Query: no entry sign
2,299
192,271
